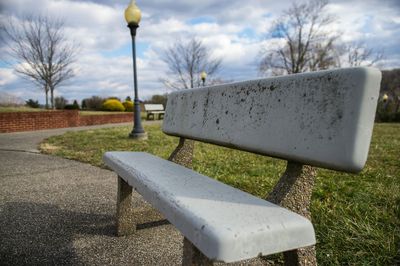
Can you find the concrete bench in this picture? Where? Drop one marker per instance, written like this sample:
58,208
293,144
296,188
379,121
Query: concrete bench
322,119
154,109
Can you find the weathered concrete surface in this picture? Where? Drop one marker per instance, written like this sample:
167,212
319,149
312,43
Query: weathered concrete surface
224,223
322,118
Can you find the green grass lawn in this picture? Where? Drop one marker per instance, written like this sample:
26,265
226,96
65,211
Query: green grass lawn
5,109
356,216
84,113
99,113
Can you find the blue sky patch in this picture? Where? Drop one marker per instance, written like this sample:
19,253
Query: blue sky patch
141,48
248,33
200,20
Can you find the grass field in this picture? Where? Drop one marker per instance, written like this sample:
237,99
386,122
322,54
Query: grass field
4,109
84,113
99,113
356,217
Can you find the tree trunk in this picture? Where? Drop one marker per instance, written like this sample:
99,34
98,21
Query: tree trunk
47,97
52,97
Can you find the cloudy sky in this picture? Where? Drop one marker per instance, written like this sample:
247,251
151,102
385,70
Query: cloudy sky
234,30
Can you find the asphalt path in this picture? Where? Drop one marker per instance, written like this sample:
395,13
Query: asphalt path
55,211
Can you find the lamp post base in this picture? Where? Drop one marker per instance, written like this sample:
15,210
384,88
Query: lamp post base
138,136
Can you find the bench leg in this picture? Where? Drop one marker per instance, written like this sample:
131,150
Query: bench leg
183,154
293,191
125,218
192,256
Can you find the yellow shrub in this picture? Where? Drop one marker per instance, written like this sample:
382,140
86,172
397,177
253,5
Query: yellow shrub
113,105
128,106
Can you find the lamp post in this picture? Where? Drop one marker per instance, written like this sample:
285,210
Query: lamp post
132,17
203,76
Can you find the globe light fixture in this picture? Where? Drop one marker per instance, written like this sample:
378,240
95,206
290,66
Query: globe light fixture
385,97
132,17
203,77
133,14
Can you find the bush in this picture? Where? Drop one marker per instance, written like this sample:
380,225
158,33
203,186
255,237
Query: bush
71,107
74,106
32,103
128,106
113,105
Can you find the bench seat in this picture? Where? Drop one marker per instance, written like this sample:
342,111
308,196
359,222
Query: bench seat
224,223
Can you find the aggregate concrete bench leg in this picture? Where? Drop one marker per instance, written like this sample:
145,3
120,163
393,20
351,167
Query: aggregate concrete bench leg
192,256
293,191
125,218
183,153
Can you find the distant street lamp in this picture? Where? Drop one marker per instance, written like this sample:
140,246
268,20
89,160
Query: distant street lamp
203,76
385,97
132,17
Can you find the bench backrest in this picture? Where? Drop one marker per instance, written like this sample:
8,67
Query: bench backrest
154,107
321,118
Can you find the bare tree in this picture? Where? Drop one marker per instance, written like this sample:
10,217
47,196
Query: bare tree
358,54
41,52
308,45
185,61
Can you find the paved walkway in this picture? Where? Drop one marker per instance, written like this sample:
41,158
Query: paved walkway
61,212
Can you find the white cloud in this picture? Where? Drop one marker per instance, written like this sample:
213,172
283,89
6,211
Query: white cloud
7,76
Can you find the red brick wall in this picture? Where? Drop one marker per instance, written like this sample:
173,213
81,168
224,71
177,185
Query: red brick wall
27,121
